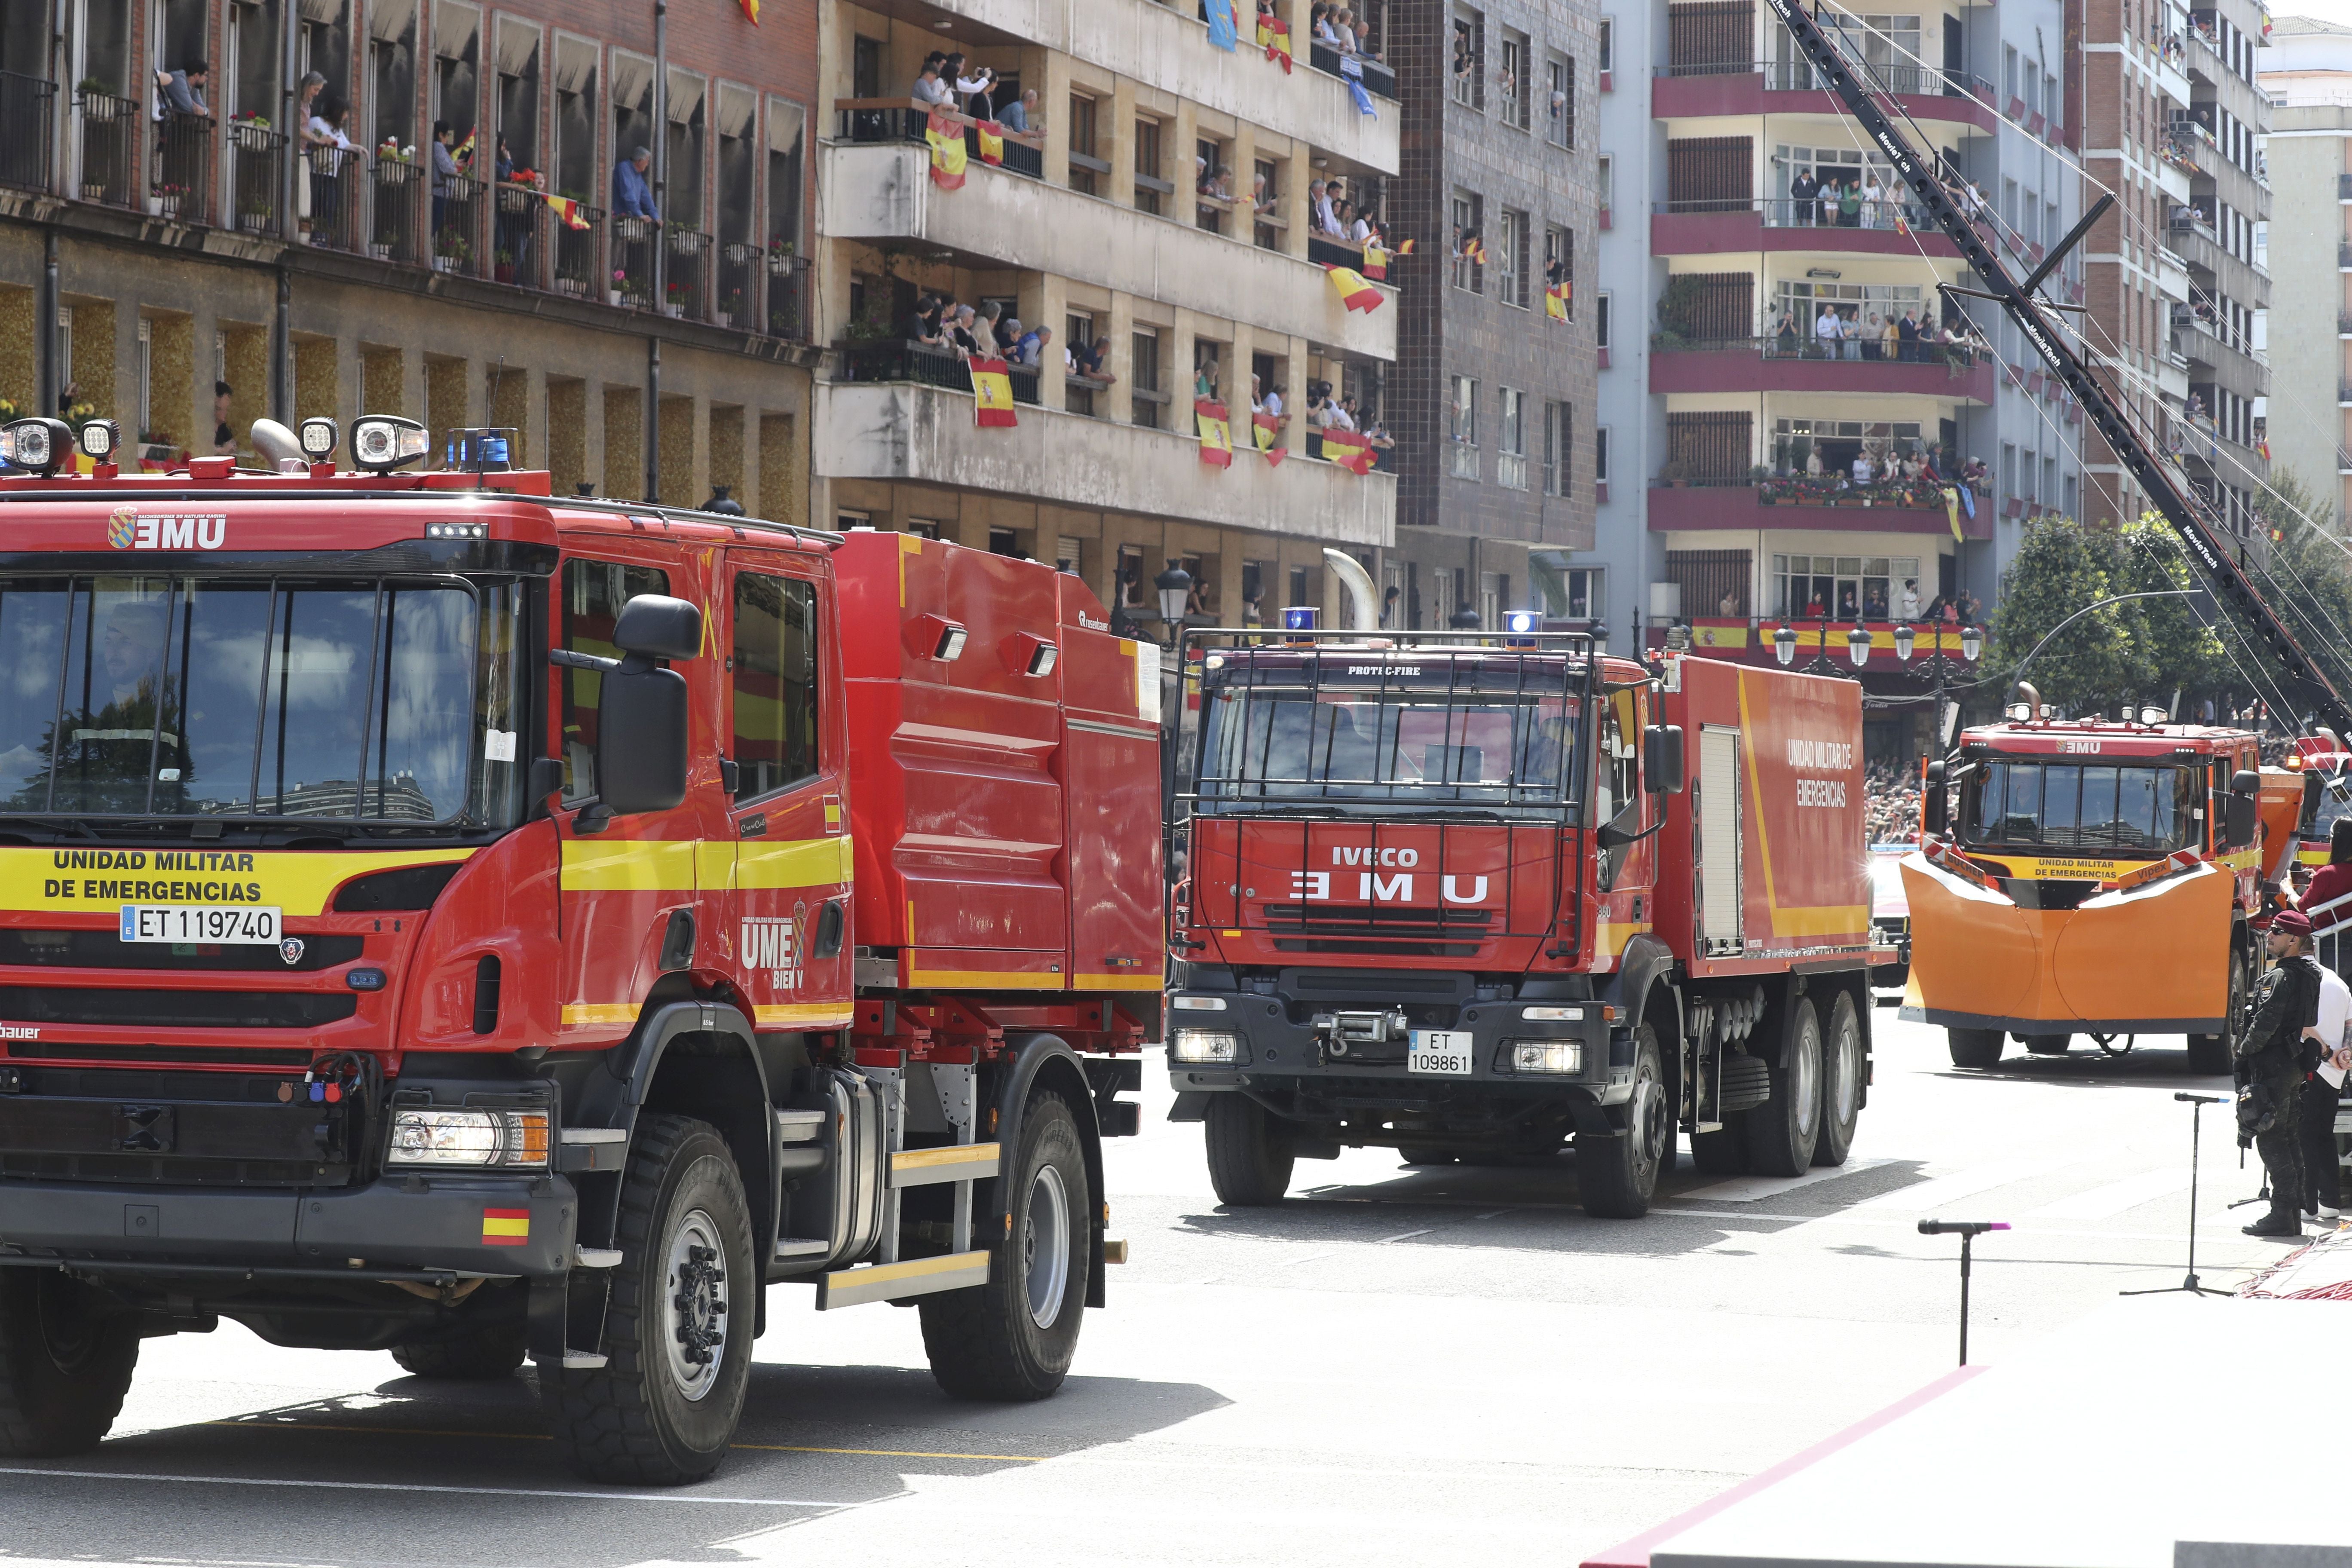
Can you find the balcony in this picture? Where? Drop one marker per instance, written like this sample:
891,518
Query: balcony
883,195
1739,641
906,120
1378,79
338,189
257,158
1169,44
926,366
1706,90
25,118
1744,505
1799,365
916,432
180,186
1718,226
109,147
397,217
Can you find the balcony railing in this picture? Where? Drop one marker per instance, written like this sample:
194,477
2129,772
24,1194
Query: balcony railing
922,363
788,298
520,221
396,211
1816,489
256,156
1822,212
1801,343
632,256
742,267
25,118
906,120
578,261
1798,76
181,181
686,275
457,225
339,185
109,148
1377,78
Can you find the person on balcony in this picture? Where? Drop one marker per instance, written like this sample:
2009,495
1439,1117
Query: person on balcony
971,93
1870,336
1803,191
328,149
444,173
929,327
1828,330
1906,333
1906,603
1022,114
1849,203
1861,472
1850,328
183,92
929,89
1785,336
1086,363
1890,339
1031,351
633,191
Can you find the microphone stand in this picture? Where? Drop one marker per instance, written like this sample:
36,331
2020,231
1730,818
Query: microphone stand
1968,1230
2197,1104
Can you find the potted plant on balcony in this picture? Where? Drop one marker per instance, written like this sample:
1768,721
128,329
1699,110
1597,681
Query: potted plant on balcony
620,290
164,201
1677,474
502,265
732,308
675,304
450,252
254,219
780,257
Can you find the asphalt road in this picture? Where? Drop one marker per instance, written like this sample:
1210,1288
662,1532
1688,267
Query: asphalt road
1393,1366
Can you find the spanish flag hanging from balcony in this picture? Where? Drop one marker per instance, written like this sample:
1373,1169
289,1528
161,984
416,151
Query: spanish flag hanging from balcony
1354,292
566,209
1376,262
991,141
1350,450
991,392
946,138
1556,301
1273,36
1216,436
1268,431
751,11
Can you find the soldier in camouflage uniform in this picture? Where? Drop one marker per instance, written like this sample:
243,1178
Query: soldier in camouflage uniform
2270,1066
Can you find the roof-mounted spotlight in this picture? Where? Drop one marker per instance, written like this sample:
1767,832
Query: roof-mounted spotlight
41,445
320,438
381,442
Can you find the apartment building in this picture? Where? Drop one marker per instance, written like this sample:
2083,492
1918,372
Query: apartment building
1495,378
2307,74
159,245
2172,126
1158,216
1740,214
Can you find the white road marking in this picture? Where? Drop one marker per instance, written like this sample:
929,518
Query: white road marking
413,1486
1748,1189
1408,1236
1960,1184
2105,1202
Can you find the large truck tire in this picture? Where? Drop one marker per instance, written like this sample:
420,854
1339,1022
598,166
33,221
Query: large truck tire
1842,1071
2211,1056
65,1364
663,1409
1783,1131
1616,1177
471,1355
1976,1048
1013,1338
2049,1044
1249,1159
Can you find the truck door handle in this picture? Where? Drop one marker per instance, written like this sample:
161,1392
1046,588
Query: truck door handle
829,923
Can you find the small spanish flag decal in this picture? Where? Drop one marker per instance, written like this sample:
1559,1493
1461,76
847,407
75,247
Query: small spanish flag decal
506,1228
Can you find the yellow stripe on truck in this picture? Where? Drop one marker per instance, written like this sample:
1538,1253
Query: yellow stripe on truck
95,881
674,865
648,865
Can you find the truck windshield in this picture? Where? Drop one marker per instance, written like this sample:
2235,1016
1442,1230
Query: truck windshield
2065,805
1500,749
163,696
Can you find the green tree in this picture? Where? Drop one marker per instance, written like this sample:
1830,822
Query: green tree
2307,579
2142,650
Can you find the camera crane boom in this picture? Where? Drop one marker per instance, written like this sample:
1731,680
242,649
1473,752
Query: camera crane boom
2183,508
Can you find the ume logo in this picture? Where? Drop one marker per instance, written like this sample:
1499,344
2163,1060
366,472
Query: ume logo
2091,747
1834,756
774,945
126,530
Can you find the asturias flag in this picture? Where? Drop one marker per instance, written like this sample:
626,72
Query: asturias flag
1354,292
946,138
1216,436
1268,431
991,143
1221,24
1273,34
991,392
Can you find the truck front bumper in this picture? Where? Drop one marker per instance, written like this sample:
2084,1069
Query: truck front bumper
496,1227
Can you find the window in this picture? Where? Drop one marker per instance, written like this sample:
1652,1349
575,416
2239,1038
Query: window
1600,456
1845,587
1601,321
1493,598
1560,266
1468,214
1149,187
1559,447
1444,598
1511,442
1559,102
575,121
593,593
1836,442
2008,75
1606,170
1268,187
1513,79
1299,588
1469,62
1069,554
1585,600
1084,164
1511,259
1144,385
774,680
1608,61
1462,428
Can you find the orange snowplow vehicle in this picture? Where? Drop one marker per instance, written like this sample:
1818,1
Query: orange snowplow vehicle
2093,877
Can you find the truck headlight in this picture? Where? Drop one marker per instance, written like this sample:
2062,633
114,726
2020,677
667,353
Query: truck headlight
1197,1004
1207,1047
478,1138
1547,1055
1553,1015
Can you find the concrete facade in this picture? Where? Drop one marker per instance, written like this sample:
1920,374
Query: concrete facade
2307,72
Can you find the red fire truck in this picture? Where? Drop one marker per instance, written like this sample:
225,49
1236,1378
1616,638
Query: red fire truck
440,917
1453,895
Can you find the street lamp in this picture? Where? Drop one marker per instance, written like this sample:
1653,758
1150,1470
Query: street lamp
1904,637
1972,642
1857,644
1174,586
1784,645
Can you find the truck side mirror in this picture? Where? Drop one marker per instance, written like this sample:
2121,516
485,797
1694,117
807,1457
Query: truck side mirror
2246,782
641,736
1935,809
1662,759
2308,817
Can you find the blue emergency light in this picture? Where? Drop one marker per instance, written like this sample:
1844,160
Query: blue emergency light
1522,626
1301,617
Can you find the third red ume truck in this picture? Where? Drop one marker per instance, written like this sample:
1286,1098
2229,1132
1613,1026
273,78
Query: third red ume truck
1481,899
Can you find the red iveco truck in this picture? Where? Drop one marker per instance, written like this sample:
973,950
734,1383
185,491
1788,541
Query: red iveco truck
440,918
1454,895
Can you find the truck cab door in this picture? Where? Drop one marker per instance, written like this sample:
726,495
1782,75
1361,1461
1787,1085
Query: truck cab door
789,901
1628,862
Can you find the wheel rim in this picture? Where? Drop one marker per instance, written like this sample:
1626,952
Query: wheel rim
1046,1247
1648,1118
1805,1077
697,1341
1845,1076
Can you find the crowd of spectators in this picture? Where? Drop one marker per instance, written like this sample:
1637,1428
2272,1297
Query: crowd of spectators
1891,803
1336,27
986,331
1845,332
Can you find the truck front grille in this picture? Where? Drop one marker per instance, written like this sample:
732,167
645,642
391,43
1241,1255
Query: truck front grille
104,950
173,1128
153,1009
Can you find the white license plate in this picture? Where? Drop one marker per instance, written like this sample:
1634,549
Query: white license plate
1446,1051
256,923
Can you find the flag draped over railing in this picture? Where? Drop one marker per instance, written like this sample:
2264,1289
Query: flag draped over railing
1216,434
991,393
1266,430
1349,449
1354,292
946,138
1221,24
1273,36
